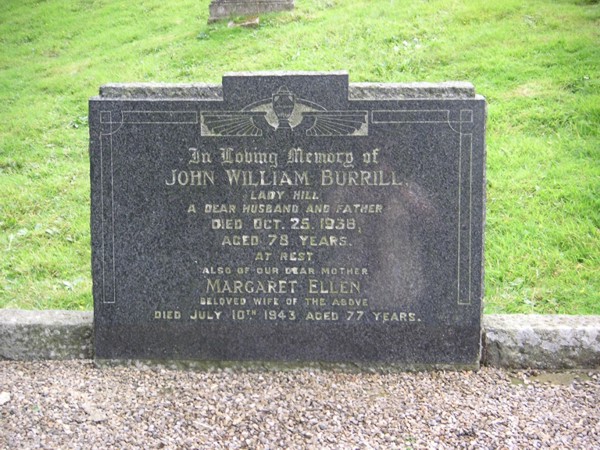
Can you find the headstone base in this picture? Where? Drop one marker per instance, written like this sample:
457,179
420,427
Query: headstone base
279,366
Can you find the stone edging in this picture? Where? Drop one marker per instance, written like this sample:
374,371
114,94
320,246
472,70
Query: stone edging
541,341
514,341
47,334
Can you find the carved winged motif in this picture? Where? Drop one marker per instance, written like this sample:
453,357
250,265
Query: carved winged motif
337,123
284,111
230,123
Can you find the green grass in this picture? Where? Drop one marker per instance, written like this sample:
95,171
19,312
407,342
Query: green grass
537,62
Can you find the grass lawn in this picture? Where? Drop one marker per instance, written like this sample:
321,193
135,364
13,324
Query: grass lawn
537,62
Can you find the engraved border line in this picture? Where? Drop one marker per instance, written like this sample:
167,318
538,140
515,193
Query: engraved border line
468,136
110,135
446,120
127,114
110,146
460,133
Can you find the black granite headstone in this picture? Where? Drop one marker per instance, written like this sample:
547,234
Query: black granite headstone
287,222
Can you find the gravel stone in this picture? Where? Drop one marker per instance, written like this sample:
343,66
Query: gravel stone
4,398
74,404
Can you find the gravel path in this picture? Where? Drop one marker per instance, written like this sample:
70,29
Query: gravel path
75,405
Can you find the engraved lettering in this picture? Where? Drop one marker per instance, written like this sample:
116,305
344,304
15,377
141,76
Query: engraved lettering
359,209
305,195
299,156
392,316
267,301
267,270
262,256
315,301
222,301
350,302
266,195
333,287
241,241
226,224
199,158
354,315
318,208
205,315
262,208
167,315
359,178
322,316
237,177
295,256
323,241
266,224
300,270
344,271
191,178
216,270
219,286
230,156
219,209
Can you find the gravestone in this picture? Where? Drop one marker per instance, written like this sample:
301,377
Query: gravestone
223,9
288,217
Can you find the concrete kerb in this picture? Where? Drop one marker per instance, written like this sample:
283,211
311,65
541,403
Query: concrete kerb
515,341
49,334
519,341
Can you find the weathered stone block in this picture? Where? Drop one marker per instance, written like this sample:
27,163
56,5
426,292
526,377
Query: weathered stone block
30,335
223,9
519,341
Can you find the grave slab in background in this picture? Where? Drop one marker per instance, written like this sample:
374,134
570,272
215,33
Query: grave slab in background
286,222
223,9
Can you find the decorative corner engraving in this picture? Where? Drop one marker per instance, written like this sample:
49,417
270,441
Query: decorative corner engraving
284,111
